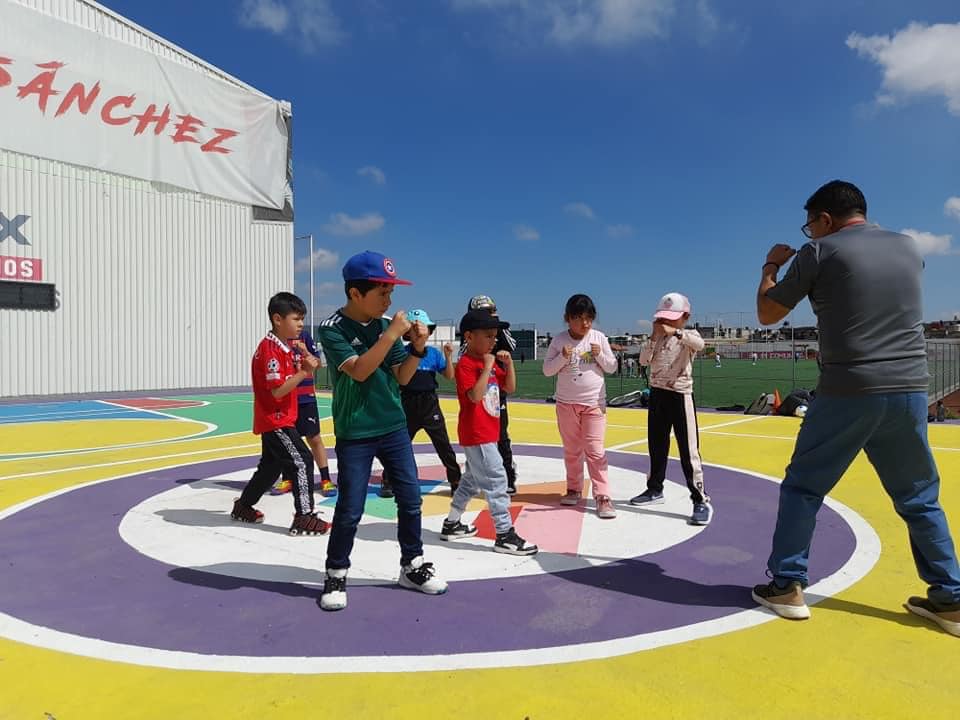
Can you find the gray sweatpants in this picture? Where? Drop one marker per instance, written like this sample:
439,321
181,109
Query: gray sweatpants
484,473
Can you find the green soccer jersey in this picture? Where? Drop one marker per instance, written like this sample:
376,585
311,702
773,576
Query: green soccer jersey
372,407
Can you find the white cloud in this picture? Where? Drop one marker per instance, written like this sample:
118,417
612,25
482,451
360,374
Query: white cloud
323,259
931,244
309,24
645,326
708,25
374,173
952,207
327,288
346,226
525,232
580,209
918,60
568,23
267,14
620,231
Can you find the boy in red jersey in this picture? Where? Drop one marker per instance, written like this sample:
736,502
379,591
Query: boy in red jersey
276,372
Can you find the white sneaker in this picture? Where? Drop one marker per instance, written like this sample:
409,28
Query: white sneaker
334,596
420,575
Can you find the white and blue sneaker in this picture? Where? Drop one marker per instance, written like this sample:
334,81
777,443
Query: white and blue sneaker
648,497
702,513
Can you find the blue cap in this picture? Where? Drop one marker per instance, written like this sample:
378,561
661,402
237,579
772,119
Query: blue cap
421,316
372,266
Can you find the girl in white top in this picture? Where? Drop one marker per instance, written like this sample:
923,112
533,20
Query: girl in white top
579,357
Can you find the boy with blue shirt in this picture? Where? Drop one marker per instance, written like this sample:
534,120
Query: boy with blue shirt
422,406
367,364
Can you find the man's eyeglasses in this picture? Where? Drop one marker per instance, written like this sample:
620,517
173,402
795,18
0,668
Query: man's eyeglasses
805,228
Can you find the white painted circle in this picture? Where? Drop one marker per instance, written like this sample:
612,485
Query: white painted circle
188,526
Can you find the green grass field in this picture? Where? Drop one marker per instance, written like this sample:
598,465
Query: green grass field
736,382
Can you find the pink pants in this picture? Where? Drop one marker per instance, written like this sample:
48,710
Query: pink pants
582,430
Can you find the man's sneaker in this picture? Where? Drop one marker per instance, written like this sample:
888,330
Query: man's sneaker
420,575
456,530
605,509
512,544
334,595
648,497
702,514
946,616
571,497
281,487
511,487
309,524
328,488
786,602
245,513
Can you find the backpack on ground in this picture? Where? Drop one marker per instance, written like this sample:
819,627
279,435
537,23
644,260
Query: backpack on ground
763,405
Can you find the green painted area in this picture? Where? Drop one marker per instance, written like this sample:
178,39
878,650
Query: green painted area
230,412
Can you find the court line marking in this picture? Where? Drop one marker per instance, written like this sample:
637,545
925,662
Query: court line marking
794,437
643,441
136,460
865,555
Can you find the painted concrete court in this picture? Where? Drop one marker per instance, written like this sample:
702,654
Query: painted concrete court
127,592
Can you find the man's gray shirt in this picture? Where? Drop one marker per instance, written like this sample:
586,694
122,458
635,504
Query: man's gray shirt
864,285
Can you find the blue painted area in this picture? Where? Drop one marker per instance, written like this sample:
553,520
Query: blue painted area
67,411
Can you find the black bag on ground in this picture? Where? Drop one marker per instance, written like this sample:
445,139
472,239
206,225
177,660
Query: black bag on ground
795,399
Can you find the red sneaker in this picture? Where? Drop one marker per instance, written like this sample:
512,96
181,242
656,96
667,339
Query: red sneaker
309,524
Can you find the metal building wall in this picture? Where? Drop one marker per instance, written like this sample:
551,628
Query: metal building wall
158,287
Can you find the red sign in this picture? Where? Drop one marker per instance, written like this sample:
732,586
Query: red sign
20,268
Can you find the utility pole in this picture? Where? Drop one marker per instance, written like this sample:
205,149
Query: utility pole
312,319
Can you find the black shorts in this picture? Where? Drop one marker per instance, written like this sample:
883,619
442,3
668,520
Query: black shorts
308,419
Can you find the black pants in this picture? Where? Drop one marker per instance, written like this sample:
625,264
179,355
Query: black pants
283,451
423,413
503,444
673,410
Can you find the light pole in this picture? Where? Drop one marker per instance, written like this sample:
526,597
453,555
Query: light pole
310,238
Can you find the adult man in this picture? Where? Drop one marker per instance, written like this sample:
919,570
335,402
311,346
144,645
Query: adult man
864,285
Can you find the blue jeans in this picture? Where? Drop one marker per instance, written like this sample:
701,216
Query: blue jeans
892,429
354,462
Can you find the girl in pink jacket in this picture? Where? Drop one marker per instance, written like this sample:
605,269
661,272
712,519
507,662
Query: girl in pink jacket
579,357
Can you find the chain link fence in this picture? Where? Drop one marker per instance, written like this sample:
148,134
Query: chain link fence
732,370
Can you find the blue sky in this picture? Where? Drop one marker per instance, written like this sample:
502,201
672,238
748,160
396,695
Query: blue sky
531,149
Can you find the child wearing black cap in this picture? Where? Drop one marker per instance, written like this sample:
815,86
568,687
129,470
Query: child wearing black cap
505,343
479,381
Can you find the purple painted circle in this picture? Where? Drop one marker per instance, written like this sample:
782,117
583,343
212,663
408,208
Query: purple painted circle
65,567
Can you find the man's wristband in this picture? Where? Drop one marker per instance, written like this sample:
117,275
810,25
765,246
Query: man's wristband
770,263
417,354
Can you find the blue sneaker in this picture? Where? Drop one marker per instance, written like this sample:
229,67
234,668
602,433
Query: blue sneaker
648,497
702,513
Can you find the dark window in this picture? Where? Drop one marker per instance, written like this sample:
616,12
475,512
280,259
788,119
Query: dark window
28,295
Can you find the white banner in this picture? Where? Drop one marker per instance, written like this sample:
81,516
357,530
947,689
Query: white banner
73,95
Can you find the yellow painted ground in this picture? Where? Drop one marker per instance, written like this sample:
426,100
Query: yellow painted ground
44,437
860,656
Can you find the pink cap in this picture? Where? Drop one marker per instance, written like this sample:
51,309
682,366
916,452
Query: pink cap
672,306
